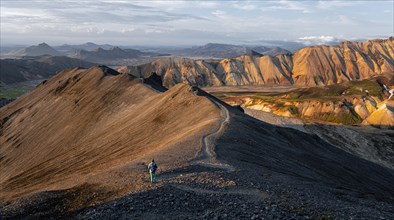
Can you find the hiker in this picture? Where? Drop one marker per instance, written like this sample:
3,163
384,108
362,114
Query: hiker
152,167
385,88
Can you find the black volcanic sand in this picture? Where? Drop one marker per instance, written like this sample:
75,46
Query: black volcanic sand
257,195
205,193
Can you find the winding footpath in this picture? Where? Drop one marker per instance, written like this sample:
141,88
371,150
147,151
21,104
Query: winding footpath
207,157
207,154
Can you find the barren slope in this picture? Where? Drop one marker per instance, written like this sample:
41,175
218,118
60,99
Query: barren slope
257,146
85,121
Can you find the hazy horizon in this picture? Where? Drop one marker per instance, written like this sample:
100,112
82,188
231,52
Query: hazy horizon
188,23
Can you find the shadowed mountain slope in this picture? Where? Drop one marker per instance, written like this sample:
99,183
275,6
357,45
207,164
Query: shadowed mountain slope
317,65
294,153
34,68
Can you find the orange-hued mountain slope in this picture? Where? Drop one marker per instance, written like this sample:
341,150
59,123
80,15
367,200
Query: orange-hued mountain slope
83,122
317,65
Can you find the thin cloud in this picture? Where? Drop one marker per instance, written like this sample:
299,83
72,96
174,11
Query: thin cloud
304,7
179,4
343,19
317,40
245,5
219,13
327,5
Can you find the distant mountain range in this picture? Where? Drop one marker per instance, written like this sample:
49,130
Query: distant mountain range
215,50
317,65
88,52
98,53
43,61
115,53
86,46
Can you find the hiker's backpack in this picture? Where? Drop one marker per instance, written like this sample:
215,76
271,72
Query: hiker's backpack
153,167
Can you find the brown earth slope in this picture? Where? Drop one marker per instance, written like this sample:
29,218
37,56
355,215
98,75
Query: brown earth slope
317,65
86,121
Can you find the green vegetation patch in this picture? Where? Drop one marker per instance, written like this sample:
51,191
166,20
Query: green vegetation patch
334,92
269,99
279,104
293,109
14,92
346,118
318,92
359,87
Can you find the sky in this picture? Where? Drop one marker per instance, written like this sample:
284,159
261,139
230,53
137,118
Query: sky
187,22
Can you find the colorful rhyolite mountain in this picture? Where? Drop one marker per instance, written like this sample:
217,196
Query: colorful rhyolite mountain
317,65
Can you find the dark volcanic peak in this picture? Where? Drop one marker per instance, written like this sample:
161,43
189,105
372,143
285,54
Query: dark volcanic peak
253,53
86,46
42,45
214,50
260,49
275,51
103,55
36,50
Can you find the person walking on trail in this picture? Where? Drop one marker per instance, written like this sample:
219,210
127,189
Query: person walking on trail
152,167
